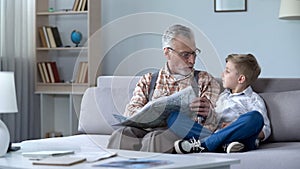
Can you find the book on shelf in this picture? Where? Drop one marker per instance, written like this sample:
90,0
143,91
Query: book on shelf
78,72
85,73
75,5
42,37
51,75
82,73
41,71
84,4
50,36
55,72
46,36
48,72
80,5
56,36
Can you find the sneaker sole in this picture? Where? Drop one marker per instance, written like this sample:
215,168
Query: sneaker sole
178,149
235,147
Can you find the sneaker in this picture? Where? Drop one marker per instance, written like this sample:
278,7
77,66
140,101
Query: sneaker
188,146
234,147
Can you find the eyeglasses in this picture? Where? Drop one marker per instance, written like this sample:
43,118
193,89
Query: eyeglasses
185,54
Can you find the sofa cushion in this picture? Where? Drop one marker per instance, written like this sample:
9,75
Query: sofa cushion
100,103
284,113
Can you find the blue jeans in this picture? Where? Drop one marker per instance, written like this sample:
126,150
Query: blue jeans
245,130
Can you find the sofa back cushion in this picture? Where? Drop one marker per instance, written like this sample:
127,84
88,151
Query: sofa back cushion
282,96
100,103
284,114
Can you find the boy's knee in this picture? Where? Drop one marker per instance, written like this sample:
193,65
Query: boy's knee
255,116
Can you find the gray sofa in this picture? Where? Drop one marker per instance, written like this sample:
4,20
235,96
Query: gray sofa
282,97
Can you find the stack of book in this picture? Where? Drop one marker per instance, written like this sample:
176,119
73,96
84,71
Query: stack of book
80,5
50,37
48,72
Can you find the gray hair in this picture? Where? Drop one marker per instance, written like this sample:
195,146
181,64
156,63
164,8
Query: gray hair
173,31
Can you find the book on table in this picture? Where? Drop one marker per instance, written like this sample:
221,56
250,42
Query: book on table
134,163
43,154
60,161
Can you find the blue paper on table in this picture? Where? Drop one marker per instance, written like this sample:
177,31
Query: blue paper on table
134,163
155,113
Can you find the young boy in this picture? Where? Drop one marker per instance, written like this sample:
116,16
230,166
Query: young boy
242,113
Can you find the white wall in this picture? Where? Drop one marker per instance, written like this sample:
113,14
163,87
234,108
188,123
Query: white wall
275,42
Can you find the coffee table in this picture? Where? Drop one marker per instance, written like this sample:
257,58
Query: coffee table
15,160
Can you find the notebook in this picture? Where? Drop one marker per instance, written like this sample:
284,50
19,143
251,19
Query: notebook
60,161
43,154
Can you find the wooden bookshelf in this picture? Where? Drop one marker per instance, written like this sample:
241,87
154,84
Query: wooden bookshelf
60,101
90,21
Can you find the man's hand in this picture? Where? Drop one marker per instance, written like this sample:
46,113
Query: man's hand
200,105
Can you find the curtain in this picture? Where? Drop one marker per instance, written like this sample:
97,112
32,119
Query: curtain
17,55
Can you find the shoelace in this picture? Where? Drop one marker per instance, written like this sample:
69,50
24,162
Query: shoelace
196,144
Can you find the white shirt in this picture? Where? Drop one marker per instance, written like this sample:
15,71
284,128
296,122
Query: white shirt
230,106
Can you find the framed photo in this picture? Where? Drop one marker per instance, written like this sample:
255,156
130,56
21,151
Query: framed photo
230,5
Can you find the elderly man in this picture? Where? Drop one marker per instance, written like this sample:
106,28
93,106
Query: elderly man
180,51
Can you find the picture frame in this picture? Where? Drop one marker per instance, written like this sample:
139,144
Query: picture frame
230,5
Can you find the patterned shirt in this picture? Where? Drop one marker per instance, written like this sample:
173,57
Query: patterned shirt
168,84
231,106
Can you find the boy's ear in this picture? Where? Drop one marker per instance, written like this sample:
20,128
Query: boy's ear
242,79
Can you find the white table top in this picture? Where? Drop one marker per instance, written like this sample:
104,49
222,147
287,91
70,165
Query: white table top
17,160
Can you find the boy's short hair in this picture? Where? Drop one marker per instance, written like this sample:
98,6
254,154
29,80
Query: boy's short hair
247,65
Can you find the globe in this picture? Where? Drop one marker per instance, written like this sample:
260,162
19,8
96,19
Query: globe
76,37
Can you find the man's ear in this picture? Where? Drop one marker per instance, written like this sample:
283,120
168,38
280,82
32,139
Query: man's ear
242,79
166,52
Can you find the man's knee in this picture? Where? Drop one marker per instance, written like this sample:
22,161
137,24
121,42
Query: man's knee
128,138
159,141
